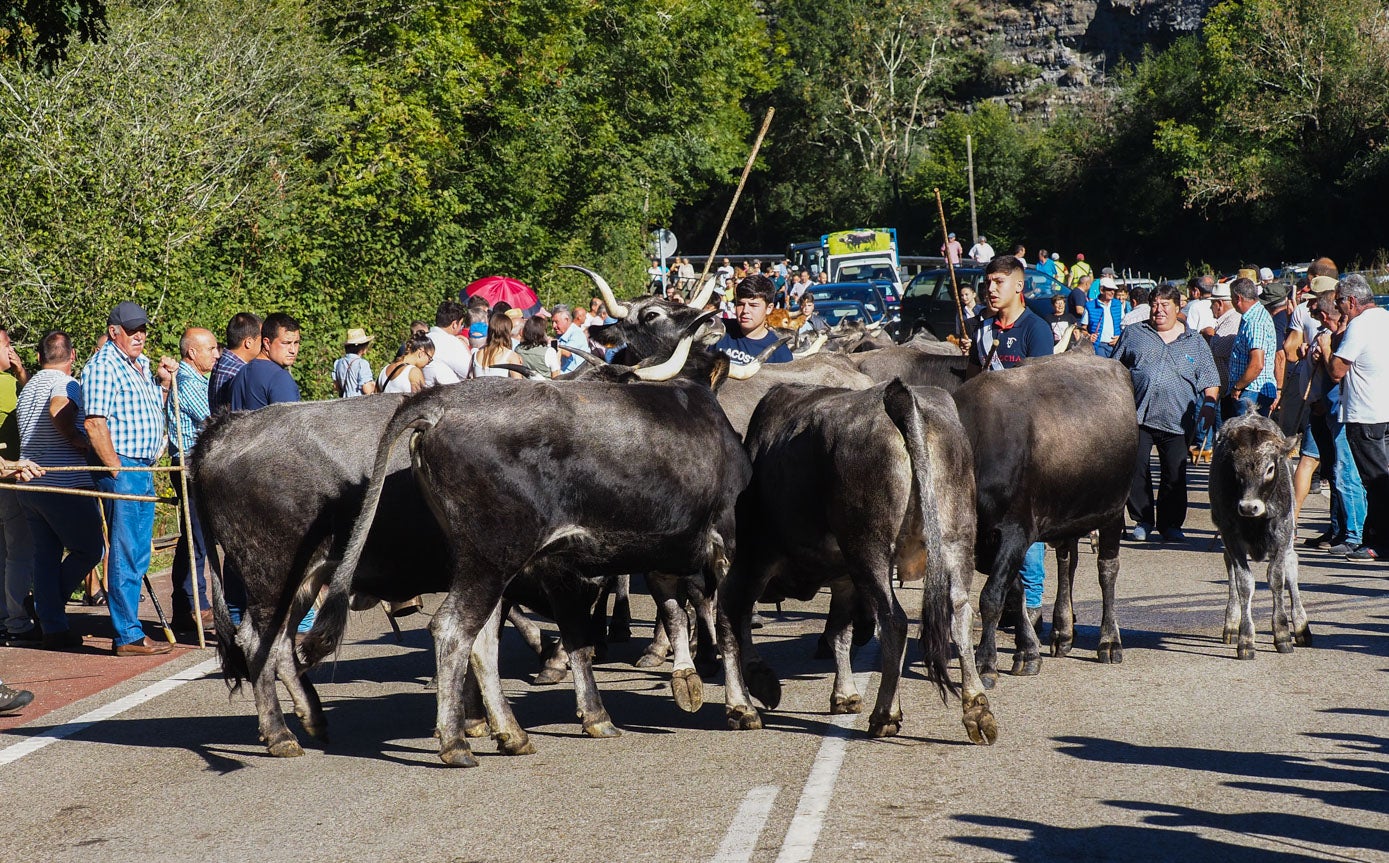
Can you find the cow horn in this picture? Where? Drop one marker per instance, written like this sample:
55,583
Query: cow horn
523,371
702,295
616,309
1065,341
585,355
743,372
812,348
671,367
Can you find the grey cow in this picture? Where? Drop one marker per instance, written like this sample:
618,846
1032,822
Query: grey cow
1252,507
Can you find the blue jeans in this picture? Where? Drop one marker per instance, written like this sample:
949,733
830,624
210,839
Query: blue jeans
182,605
1034,574
1104,349
59,522
16,563
1348,504
131,523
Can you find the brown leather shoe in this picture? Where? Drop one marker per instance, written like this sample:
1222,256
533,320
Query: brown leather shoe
144,647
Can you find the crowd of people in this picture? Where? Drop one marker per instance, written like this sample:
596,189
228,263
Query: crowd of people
1313,354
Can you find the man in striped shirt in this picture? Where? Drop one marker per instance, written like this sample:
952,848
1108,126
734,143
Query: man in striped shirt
199,350
125,425
1251,360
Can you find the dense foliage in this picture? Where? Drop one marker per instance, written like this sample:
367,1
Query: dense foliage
353,162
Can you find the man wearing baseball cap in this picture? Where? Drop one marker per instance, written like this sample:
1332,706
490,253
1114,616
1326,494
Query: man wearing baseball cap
126,427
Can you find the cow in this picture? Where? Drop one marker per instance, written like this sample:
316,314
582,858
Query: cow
604,505
915,367
1251,489
648,326
848,486
1055,441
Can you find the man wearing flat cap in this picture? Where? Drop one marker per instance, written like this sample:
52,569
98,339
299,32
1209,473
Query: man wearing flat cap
126,426
352,373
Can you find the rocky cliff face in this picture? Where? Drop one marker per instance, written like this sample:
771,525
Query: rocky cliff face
1057,49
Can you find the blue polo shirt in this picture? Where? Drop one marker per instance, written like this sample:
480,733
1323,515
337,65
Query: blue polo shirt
260,383
743,350
1029,336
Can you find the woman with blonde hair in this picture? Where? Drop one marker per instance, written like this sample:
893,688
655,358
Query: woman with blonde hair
497,351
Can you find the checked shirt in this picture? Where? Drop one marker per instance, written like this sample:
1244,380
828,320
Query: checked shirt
1256,332
192,406
219,387
125,393
1167,379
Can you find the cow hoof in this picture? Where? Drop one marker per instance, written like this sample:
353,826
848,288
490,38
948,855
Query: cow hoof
602,729
979,721
840,704
1061,647
887,726
521,746
1244,651
458,757
549,676
742,718
286,748
989,677
823,650
1284,646
1303,638
1026,667
1110,654
619,634
649,660
688,689
1229,636
474,729
764,685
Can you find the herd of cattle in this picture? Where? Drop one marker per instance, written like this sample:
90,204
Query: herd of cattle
839,470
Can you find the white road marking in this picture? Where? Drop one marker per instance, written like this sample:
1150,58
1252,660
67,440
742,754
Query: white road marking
11,754
809,819
741,839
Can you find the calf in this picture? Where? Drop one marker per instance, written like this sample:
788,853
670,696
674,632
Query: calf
848,486
1252,507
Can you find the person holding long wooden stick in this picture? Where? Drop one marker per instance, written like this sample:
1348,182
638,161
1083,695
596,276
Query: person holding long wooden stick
188,410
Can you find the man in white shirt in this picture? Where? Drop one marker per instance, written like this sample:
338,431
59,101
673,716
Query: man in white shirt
1361,366
570,336
1196,314
452,356
981,252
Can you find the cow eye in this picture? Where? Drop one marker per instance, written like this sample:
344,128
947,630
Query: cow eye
651,316
1269,471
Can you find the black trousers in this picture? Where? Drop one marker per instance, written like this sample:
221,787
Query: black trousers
1370,448
1169,511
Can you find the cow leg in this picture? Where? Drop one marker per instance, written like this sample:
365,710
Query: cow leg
572,599
977,718
736,597
307,705
620,624
845,698
1239,613
487,680
1111,648
263,661
1302,632
658,649
474,711
706,655
685,683
554,661
1063,614
455,627
1277,579
876,587
1006,574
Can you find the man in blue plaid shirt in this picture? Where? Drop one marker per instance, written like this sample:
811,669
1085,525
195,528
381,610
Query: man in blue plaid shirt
1251,360
199,350
125,424
243,345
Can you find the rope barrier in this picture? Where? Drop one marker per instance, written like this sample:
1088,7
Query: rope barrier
82,492
173,468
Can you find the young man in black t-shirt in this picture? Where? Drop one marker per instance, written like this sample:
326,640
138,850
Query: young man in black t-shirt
1013,332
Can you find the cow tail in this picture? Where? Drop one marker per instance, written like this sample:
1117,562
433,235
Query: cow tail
325,635
235,669
901,407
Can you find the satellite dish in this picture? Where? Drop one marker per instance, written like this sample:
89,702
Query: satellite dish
663,243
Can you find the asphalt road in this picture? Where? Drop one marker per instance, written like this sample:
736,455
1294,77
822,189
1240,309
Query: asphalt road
1180,753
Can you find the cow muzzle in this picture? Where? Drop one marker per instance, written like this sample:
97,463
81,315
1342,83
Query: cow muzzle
1252,508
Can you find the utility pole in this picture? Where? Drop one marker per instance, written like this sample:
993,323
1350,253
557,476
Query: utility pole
973,217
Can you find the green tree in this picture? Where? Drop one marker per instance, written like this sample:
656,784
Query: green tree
36,33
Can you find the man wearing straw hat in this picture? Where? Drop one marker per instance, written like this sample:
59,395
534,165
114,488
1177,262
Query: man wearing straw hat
352,373
200,352
125,425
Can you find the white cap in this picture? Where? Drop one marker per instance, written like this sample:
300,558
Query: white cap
1265,274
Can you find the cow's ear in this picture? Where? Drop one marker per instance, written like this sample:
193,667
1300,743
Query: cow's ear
718,371
1291,445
